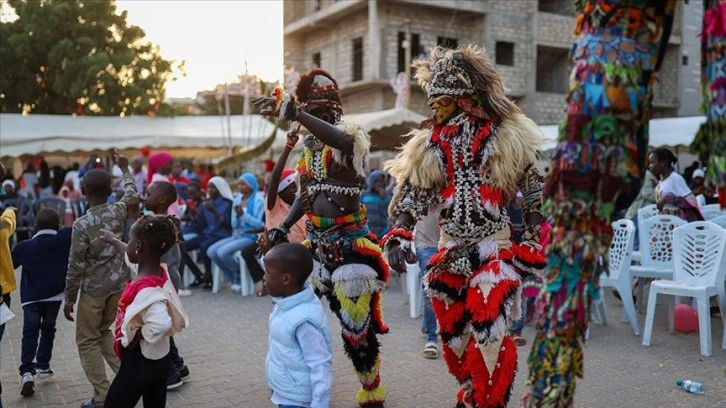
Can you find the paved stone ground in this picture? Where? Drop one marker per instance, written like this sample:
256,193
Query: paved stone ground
226,344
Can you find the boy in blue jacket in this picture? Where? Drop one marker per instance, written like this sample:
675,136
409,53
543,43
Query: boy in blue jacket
299,355
45,262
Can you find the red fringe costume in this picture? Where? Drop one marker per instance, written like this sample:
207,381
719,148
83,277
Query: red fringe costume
474,280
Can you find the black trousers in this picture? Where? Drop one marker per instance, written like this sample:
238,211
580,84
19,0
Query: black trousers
139,377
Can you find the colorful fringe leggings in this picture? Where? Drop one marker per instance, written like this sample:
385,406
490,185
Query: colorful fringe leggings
475,291
355,291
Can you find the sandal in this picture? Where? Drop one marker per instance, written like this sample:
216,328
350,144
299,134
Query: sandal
431,351
260,289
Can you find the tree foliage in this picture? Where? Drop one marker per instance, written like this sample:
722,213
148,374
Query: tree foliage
75,56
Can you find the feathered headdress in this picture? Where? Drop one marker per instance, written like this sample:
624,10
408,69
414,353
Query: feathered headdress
465,71
318,87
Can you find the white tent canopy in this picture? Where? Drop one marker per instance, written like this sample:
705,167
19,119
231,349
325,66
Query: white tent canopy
49,134
669,132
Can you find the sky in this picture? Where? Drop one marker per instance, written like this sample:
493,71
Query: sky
214,37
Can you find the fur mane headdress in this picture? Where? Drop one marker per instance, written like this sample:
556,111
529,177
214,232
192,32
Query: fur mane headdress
465,71
318,87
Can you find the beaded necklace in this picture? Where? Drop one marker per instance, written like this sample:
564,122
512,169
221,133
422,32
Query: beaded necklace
313,165
475,207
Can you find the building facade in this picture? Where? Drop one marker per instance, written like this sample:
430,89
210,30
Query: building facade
361,42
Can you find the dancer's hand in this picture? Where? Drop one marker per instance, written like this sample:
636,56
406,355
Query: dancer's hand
266,104
397,258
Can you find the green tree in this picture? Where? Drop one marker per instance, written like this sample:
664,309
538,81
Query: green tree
74,56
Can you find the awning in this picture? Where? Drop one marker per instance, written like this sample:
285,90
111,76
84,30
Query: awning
202,136
668,132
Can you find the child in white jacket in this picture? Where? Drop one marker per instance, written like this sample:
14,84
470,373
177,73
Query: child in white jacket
149,312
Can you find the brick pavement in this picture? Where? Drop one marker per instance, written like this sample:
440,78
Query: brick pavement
226,344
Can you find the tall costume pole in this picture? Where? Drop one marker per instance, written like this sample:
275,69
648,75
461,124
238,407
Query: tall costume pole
349,270
601,156
466,163
710,142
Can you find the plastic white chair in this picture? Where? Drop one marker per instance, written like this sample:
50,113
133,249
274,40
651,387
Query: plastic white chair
712,207
700,265
247,286
413,283
656,246
619,269
711,213
720,221
701,200
644,213
189,277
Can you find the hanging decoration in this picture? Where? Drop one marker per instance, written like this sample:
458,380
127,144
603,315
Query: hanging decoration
710,141
599,158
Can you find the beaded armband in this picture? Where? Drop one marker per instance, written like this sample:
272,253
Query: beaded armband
413,200
530,235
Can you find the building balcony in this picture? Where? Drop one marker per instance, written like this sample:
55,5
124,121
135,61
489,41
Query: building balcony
325,16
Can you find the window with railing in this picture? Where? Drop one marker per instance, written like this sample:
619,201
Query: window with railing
416,49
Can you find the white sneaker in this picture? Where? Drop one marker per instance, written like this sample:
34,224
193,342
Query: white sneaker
236,288
27,385
184,292
43,373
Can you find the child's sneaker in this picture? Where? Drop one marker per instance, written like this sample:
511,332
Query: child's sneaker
174,380
183,371
27,385
184,292
43,373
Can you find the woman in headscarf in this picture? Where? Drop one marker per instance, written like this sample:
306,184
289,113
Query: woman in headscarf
159,169
376,199
213,224
246,219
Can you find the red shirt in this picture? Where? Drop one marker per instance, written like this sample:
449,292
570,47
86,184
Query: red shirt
130,291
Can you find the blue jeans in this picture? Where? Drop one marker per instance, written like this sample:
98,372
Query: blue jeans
221,253
38,319
518,325
429,318
289,406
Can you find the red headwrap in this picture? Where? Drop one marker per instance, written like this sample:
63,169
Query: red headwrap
157,161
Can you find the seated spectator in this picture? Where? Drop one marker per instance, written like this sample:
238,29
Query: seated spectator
376,199
247,214
697,185
213,224
178,180
8,192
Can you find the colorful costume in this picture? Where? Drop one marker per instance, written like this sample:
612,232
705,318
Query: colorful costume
350,270
710,142
600,156
468,167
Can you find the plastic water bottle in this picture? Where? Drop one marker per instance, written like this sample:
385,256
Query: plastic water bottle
694,387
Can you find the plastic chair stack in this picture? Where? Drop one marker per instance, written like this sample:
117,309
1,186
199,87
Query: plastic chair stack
619,269
700,264
656,246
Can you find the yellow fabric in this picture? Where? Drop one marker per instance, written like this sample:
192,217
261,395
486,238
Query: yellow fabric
357,311
377,394
7,273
